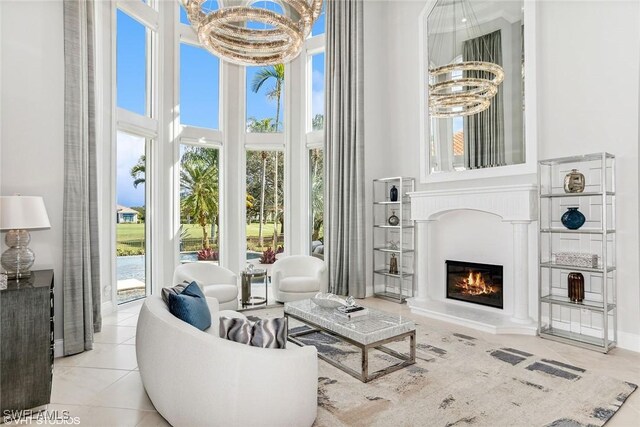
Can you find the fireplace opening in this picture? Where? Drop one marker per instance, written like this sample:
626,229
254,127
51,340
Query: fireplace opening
475,283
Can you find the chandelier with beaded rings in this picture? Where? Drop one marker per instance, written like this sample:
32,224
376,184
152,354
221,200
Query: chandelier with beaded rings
226,32
459,88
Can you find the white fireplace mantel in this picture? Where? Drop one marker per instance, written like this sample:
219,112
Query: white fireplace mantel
514,204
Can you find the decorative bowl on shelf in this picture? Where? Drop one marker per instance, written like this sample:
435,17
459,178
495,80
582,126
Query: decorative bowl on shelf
328,300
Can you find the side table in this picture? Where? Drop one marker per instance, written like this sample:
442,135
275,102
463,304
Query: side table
248,277
26,348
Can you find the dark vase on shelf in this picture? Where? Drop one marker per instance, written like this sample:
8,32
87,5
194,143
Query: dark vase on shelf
393,194
573,219
576,287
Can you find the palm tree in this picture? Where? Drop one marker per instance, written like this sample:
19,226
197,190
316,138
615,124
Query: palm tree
262,188
138,171
260,126
274,72
199,186
317,191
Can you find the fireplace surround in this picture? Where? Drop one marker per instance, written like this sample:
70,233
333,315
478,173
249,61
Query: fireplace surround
512,209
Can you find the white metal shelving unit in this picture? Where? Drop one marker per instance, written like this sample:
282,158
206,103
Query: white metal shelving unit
591,323
397,240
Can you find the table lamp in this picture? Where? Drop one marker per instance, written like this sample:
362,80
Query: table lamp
18,215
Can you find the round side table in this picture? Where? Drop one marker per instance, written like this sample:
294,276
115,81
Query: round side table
248,277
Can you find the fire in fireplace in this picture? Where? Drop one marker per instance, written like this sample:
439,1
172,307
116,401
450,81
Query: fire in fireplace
475,283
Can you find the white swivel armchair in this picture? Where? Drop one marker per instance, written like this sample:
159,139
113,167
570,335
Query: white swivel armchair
298,277
215,281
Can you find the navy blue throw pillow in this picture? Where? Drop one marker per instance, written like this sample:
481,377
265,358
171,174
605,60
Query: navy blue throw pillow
191,306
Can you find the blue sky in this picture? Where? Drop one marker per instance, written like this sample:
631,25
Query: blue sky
199,90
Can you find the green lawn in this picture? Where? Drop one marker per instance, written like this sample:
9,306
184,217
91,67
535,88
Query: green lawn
192,231
130,237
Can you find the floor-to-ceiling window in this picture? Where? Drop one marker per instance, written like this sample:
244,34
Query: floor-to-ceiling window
314,129
196,142
200,142
199,203
265,202
135,132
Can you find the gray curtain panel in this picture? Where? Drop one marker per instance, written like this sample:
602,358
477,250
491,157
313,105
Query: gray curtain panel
80,269
484,132
344,148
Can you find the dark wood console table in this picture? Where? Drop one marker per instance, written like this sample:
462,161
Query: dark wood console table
26,342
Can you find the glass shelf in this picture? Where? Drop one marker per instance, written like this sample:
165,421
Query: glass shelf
578,231
586,194
575,159
400,276
394,251
582,340
576,267
585,304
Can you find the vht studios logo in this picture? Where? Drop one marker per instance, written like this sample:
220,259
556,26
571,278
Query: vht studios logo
28,417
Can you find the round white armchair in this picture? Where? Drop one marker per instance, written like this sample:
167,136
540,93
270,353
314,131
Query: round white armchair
215,281
298,277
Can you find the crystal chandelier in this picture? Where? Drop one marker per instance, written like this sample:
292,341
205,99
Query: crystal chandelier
459,88
229,32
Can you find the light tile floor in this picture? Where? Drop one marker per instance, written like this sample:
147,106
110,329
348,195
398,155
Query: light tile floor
102,387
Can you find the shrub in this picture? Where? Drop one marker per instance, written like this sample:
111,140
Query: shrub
208,255
268,257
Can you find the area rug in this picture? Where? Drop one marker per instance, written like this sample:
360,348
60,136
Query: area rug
459,380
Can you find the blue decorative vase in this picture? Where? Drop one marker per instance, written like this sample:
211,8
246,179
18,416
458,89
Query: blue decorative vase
573,219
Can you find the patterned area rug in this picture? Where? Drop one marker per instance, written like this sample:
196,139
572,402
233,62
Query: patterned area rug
459,380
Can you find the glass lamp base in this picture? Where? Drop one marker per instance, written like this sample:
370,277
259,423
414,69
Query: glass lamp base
18,259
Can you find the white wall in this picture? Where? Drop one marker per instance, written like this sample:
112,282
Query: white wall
375,132
588,63
595,109
32,134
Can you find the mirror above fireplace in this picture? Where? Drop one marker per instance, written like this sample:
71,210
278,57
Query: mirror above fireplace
500,140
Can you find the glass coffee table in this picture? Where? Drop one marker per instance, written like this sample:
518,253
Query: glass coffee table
371,331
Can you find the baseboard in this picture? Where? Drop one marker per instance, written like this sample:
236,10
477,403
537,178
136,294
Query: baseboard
629,341
58,348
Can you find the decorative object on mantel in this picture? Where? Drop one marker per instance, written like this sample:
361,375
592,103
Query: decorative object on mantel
574,182
575,286
18,215
231,32
576,259
393,194
393,219
573,219
393,264
478,81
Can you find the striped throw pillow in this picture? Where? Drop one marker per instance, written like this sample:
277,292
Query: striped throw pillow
264,333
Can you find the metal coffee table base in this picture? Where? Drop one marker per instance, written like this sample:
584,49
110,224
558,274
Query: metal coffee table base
364,374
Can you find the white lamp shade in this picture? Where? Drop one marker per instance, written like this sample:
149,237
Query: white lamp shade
23,213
